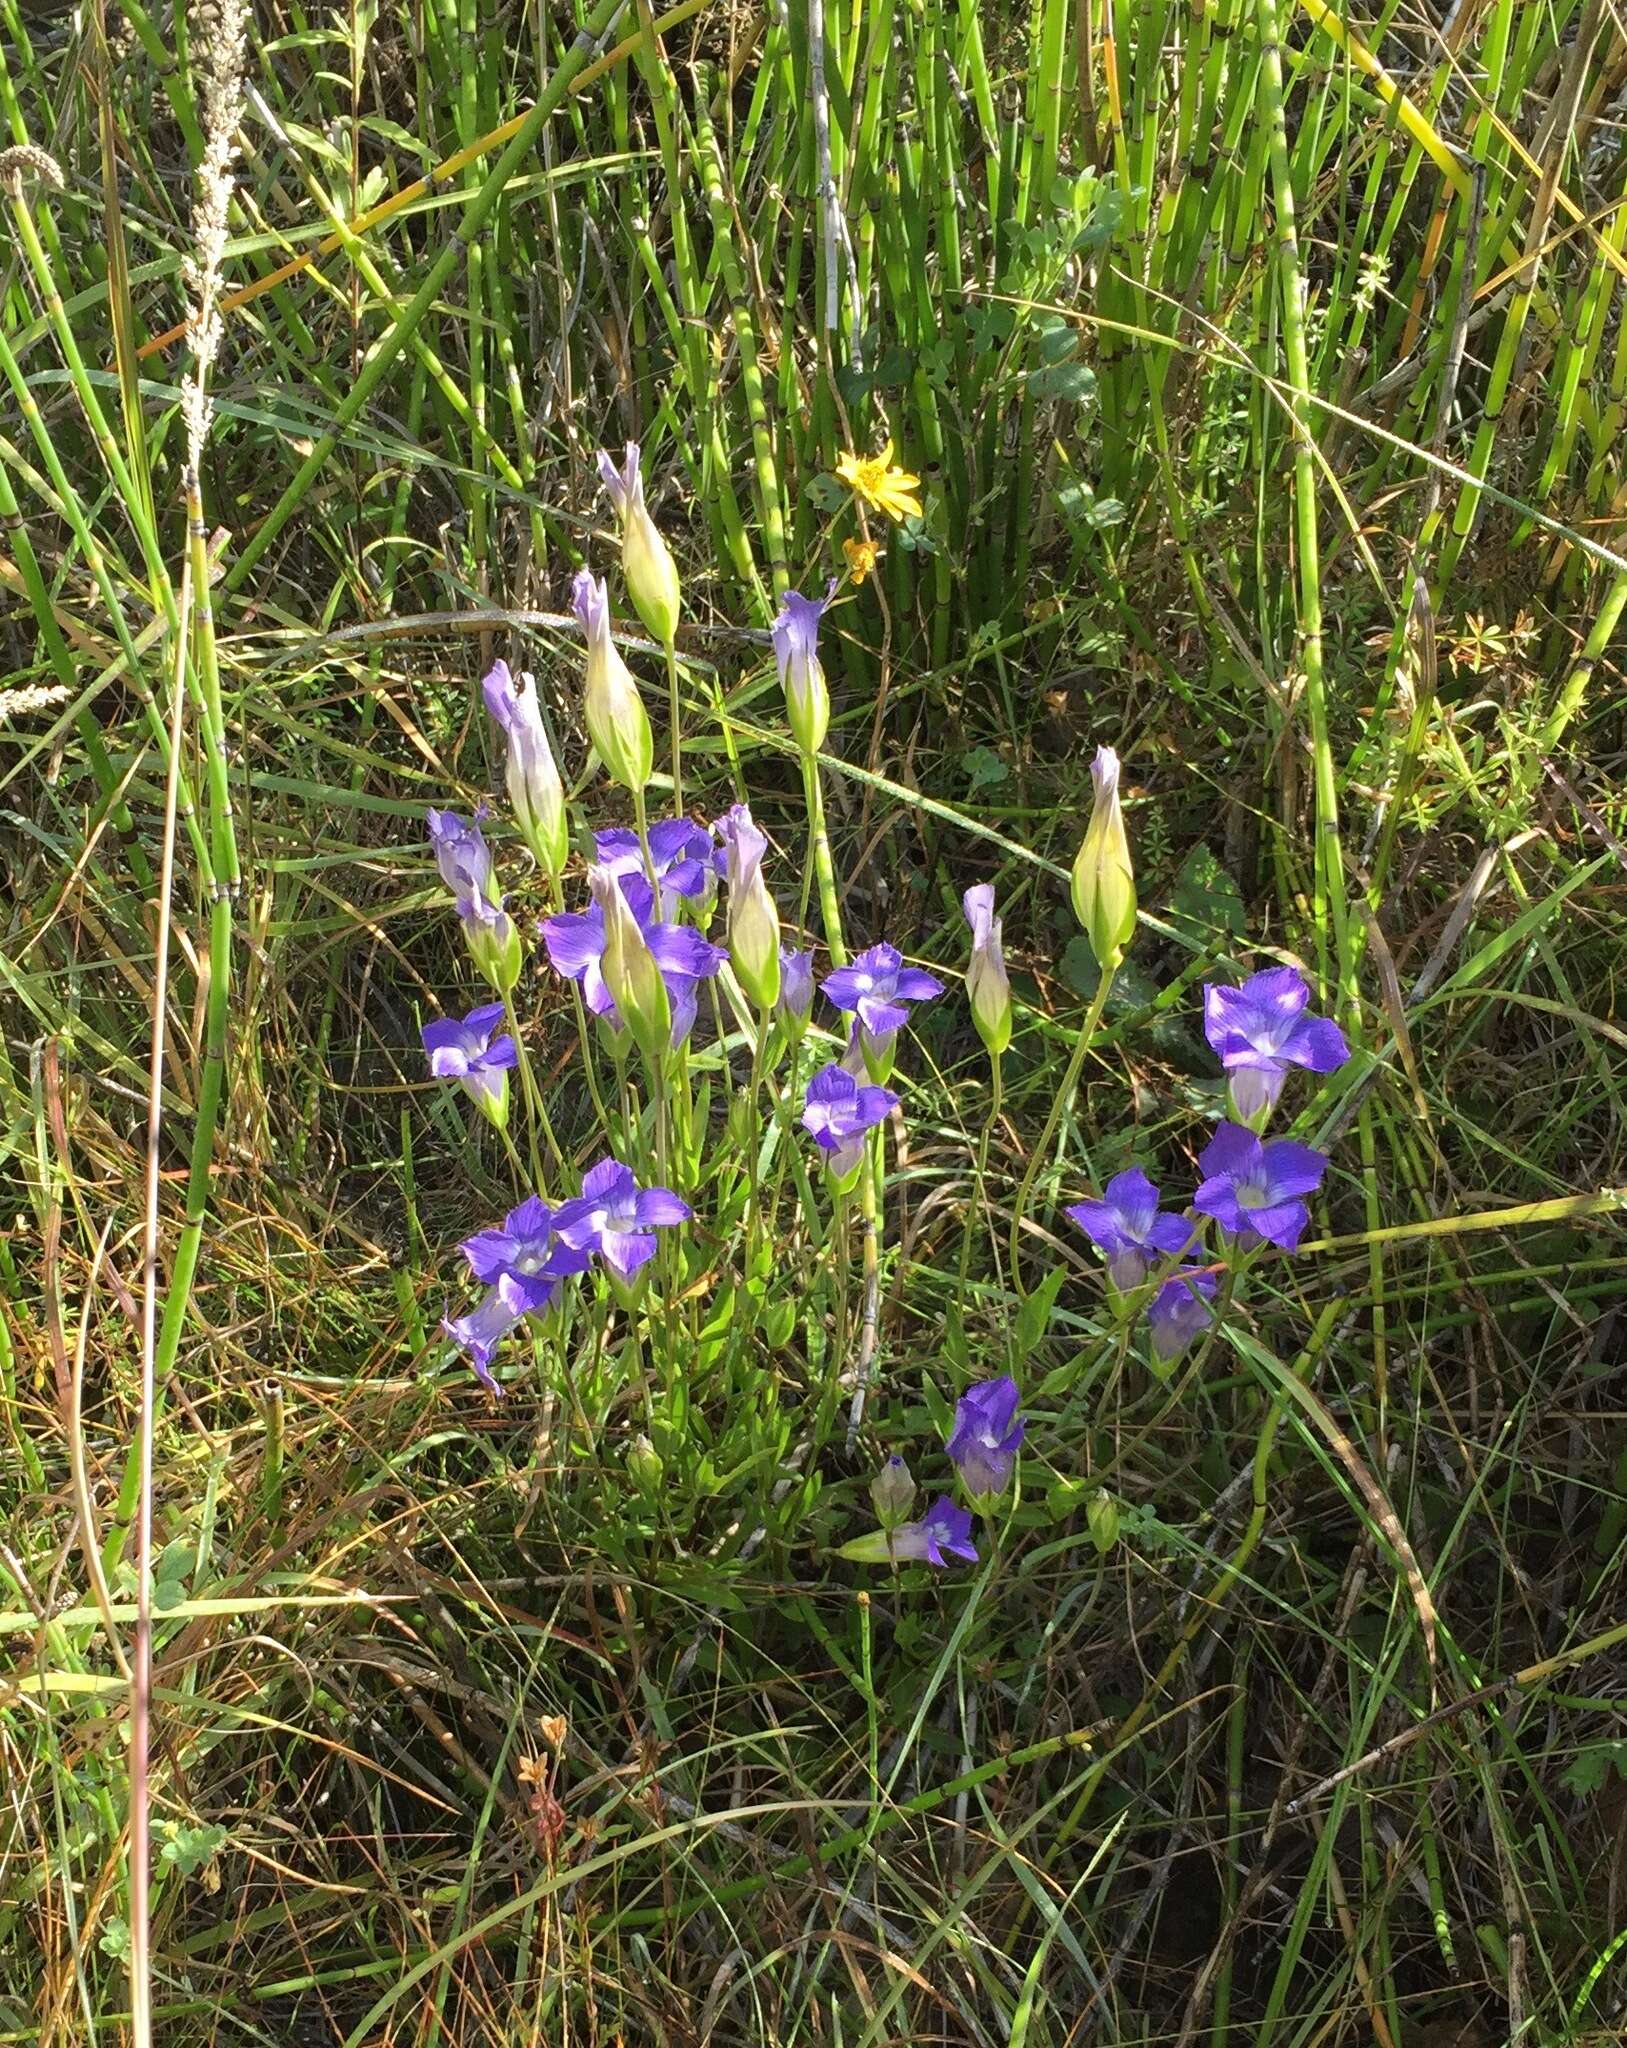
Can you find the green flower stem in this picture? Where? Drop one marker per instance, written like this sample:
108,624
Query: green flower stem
641,819
830,908
754,1151
870,1311
1064,1095
674,719
974,1208
536,1114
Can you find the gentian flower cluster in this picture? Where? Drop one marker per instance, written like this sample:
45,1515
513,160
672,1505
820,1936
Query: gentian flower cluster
983,1446
576,939
522,1263
1254,1190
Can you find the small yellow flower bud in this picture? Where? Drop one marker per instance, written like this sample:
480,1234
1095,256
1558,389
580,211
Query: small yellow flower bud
1104,889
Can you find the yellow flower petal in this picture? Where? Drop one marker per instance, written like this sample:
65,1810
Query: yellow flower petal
862,557
874,480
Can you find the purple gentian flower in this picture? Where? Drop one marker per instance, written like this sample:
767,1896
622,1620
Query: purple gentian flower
462,855
877,988
534,787
1127,1226
1255,1191
837,1113
481,1329
802,675
527,1253
796,989
471,1050
1180,1310
1262,1029
617,1218
986,1436
575,942
944,1531
681,851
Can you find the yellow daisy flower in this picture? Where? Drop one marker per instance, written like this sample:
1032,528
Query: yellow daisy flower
862,557
872,477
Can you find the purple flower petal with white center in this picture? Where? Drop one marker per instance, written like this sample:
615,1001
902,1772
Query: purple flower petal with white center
617,1218
479,1331
472,1050
1127,1226
1262,1029
877,987
575,941
461,854
838,1111
943,1532
1254,1190
986,1436
525,1252
680,850
1180,1311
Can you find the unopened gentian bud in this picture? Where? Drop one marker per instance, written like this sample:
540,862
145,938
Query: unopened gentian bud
893,1492
494,941
646,560
754,923
1102,1520
795,1005
796,649
630,971
534,787
987,988
645,1466
617,722
1104,889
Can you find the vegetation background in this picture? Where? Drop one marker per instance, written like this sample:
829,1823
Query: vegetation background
1266,369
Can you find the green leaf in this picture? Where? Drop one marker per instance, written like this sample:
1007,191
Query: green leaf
1205,902
1073,383
939,1412
985,769
1587,1772
1035,1312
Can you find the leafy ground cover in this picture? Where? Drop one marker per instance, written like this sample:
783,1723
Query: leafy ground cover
1260,370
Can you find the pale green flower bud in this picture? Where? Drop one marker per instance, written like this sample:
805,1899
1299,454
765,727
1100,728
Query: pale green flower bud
494,941
646,560
1104,889
1102,1520
753,923
987,988
893,1492
802,676
618,724
630,971
645,1466
534,787
779,1320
